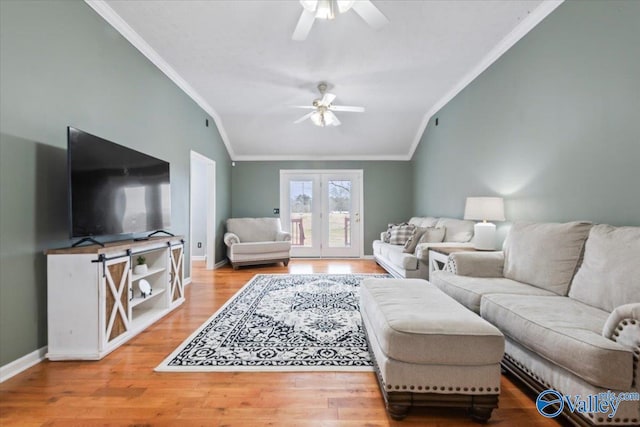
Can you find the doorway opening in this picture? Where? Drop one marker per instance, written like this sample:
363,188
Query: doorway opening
202,209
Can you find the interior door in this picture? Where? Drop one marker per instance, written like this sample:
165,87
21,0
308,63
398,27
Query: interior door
322,212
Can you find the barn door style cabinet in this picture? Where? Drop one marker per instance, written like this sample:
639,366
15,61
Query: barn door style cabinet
96,302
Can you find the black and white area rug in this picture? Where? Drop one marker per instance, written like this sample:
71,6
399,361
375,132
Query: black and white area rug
281,322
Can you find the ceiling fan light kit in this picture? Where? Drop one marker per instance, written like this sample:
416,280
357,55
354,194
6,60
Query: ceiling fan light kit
323,109
329,9
326,9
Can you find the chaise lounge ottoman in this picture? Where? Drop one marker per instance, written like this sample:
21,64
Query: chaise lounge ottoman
428,349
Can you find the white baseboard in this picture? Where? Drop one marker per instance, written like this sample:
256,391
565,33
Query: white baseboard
187,281
198,257
25,362
220,264
368,257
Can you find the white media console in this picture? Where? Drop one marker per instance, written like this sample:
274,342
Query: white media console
94,302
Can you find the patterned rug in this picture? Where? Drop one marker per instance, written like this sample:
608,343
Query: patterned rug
281,322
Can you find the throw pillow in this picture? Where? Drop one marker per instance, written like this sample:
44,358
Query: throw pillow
433,235
400,234
389,227
410,246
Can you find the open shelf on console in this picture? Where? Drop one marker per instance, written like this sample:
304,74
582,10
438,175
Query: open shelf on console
139,300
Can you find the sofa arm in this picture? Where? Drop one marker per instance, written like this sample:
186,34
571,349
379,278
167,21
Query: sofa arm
623,327
230,239
283,236
476,264
383,236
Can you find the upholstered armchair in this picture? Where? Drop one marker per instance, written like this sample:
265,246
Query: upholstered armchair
252,241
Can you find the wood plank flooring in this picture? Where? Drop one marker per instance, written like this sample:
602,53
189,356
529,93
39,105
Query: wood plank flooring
123,389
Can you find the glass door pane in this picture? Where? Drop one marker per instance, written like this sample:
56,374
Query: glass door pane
339,213
301,208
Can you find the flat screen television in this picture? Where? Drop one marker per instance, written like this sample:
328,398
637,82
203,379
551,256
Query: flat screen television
113,189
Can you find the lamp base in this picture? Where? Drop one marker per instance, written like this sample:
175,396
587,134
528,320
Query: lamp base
484,238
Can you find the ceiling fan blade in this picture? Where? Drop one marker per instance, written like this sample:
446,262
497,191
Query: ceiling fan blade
306,107
331,119
304,25
327,99
349,108
303,118
370,14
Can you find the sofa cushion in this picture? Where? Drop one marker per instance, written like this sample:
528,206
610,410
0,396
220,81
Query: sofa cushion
433,235
254,229
396,255
398,235
469,290
545,255
456,230
423,221
261,247
442,334
610,272
564,331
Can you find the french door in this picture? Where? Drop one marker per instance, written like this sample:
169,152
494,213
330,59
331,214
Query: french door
322,211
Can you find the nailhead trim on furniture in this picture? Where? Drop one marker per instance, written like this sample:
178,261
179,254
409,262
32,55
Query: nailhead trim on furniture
547,385
626,324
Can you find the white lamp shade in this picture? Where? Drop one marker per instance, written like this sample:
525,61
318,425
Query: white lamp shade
484,209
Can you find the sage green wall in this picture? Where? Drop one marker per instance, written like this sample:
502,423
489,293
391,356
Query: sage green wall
60,65
553,125
387,190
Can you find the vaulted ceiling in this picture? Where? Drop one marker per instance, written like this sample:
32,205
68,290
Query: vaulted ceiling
237,60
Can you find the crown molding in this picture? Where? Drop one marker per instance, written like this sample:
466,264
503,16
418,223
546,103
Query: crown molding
527,24
274,158
119,24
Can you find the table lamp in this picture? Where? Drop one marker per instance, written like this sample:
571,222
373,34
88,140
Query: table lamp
484,209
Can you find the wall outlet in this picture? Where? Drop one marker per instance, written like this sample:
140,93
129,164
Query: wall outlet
199,244
276,211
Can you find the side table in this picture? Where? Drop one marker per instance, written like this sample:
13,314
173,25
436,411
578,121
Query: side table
438,256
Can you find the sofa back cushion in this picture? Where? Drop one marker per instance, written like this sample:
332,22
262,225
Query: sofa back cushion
254,229
545,255
456,230
610,272
419,221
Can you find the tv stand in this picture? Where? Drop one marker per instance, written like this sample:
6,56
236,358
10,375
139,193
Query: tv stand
94,299
161,231
87,239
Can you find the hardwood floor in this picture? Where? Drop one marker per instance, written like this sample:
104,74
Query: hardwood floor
123,389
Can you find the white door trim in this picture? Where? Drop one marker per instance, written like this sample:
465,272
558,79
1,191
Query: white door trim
301,172
211,208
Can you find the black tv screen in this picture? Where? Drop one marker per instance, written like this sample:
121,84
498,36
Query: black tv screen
114,189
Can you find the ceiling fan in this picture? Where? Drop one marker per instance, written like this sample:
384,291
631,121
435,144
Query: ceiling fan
322,114
329,9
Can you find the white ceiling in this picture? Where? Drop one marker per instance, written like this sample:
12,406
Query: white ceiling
236,59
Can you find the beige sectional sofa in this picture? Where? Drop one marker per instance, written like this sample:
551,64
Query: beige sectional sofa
567,299
400,264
